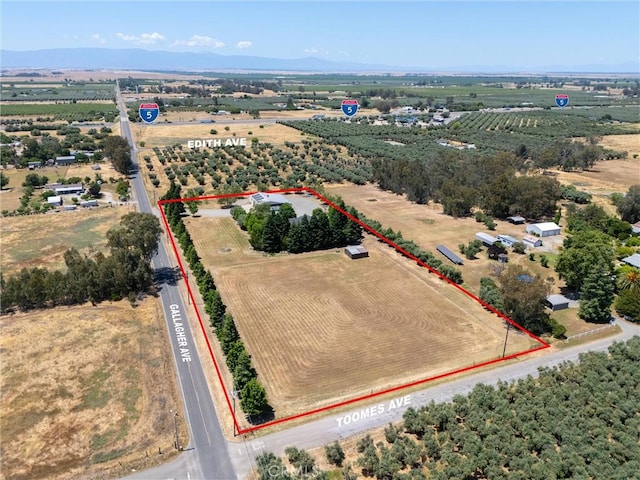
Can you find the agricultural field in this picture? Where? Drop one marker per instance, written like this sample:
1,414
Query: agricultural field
50,235
86,392
63,111
57,92
322,328
428,227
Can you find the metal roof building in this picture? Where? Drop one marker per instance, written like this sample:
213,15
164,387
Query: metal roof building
486,238
544,229
449,254
557,302
356,251
633,260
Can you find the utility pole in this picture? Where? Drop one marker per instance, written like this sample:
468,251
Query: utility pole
234,394
176,442
504,349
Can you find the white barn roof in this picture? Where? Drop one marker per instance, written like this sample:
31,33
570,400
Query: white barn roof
546,226
633,260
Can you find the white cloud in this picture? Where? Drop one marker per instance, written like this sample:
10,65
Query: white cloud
143,38
199,41
98,38
244,44
316,51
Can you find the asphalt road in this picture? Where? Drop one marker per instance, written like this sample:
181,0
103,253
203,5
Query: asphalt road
206,454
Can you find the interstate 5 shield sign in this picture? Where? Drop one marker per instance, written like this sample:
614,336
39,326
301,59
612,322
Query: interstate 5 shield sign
149,112
349,107
562,100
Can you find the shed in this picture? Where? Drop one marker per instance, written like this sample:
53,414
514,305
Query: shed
557,302
449,254
356,251
516,220
89,203
486,239
34,165
506,240
633,260
532,241
70,207
65,160
544,229
55,200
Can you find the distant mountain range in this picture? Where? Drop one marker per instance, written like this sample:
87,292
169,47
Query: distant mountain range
139,59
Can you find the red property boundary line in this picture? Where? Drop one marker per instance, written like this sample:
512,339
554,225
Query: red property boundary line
361,398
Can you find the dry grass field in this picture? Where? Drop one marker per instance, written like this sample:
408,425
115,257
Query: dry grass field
86,392
428,227
323,328
41,240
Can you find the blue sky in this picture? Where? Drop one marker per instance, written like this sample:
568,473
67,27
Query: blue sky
426,34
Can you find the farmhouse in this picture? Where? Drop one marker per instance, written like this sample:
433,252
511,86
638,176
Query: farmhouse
449,254
557,302
544,229
633,260
272,199
532,241
506,240
55,200
66,160
486,239
356,251
517,220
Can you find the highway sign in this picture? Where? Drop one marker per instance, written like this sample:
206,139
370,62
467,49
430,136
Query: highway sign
149,112
562,100
349,107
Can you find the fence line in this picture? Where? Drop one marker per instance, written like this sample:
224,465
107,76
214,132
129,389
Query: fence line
590,332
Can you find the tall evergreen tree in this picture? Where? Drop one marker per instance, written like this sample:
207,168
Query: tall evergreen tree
596,296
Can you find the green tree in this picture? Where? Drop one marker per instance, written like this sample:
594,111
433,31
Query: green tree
4,180
34,180
271,467
253,398
628,304
629,279
94,189
300,459
139,232
271,240
490,293
335,454
629,206
524,298
596,296
118,150
581,251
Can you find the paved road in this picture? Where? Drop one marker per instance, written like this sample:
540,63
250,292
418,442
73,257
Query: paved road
206,454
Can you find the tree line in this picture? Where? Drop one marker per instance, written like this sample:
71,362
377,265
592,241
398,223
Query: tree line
124,273
274,231
253,398
573,421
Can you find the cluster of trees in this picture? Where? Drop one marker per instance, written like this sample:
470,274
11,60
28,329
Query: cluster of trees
587,264
124,273
253,398
460,182
628,207
118,151
522,297
273,232
573,421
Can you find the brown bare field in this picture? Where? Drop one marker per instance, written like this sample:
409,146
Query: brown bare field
10,195
86,392
41,240
322,328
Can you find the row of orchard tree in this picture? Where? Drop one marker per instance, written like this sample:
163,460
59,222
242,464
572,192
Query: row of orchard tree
125,272
253,398
274,231
573,421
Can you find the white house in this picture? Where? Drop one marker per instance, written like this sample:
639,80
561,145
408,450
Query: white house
507,241
544,229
